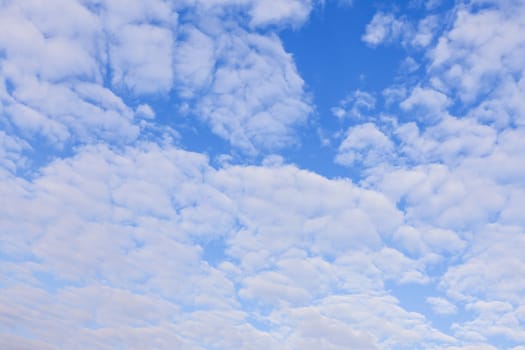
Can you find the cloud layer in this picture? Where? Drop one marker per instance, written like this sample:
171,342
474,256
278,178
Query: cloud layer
115,234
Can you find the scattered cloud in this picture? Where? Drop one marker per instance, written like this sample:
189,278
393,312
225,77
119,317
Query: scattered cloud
114,234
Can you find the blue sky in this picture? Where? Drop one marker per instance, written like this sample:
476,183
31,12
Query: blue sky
253,174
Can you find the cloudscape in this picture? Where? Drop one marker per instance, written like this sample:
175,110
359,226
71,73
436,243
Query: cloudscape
262,174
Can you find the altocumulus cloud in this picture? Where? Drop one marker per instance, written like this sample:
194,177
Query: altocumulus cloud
119,229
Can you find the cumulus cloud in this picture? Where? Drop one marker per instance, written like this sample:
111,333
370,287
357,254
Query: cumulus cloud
256,96
441,306
364,143
426,30
383,28
112,239
431,100
481,49
45,96
241,82
146,207
11,149
468,189
294,12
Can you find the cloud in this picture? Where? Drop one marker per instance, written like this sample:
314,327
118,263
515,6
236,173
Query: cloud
355,319
112,238
45,96
11,149
494,318
135,210
468,188
426,29
383,28
431,100
145,111
140,53
481,49
257,96
364,143
134,67
194,62
506,262
355,105
441,306
294,12
241,82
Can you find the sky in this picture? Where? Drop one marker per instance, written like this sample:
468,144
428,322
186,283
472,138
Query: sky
262,175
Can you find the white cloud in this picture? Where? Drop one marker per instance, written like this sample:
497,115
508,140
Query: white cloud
46,97
442,306
369,321
241,82
137,209
11,149
108,247
399,268
431,100
456,176
138,39
257,95
426,29
356,105
383,28
29,121
294,12
141,58
145,111
473,346
493,319
493,262
365,144
313,330
194,61
481,49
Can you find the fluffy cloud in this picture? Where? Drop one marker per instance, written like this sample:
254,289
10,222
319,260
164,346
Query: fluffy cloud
11,149
364,143
99,225
482,48
442,306
294,12
45,97
118,241
356,105
383,28
431,100
457,184
140,53
366,321
241,82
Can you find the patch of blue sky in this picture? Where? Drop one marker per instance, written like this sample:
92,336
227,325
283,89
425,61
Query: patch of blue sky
413,297
52,283
335,62
214,251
